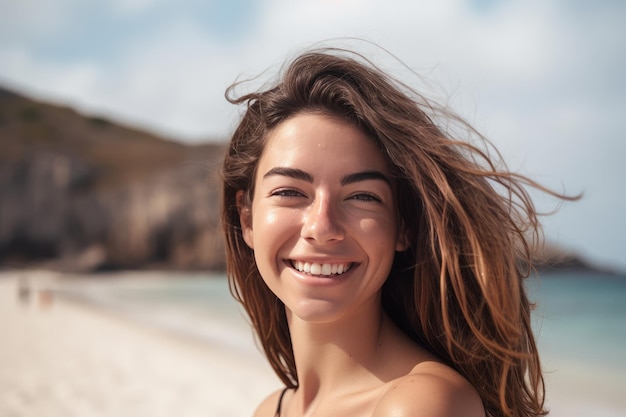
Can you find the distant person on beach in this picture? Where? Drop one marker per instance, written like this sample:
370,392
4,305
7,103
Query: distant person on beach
23,290
380,258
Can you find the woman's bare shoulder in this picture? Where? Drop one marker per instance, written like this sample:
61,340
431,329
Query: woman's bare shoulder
431,389
267,408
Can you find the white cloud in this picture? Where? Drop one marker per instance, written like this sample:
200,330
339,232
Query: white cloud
33,20
180,59
74,83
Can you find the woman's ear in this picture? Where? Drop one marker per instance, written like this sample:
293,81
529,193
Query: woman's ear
245,218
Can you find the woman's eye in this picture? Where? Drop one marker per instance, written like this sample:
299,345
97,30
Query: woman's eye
286,192
366,197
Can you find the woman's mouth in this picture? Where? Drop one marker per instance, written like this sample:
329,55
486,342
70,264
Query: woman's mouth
326,269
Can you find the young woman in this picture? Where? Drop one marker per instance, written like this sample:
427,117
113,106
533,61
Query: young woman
380,260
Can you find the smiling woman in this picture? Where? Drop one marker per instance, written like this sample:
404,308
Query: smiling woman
323,201
377,262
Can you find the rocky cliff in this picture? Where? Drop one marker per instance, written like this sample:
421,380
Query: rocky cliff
81,192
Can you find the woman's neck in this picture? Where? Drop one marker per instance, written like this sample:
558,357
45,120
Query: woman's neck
343,353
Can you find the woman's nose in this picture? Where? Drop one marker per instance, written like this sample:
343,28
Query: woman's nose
322,223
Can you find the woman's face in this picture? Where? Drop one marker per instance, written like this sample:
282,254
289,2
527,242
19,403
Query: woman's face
323,223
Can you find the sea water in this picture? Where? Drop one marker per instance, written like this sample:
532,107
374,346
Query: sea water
580,326
579,322
581,317
196,305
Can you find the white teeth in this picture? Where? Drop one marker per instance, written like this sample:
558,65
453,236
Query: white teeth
316,269
321,269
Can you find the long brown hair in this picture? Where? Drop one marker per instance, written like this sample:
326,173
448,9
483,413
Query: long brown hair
458,289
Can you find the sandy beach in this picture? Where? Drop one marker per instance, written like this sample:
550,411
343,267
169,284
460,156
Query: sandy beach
61,358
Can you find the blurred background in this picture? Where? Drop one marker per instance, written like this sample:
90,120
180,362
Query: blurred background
543,80
113,120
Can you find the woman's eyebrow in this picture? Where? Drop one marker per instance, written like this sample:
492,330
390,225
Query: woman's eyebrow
347,179
365,176
289,172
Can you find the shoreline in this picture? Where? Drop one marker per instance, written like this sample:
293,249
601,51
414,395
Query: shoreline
94,292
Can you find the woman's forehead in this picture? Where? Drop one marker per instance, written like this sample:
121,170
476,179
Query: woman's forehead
321,141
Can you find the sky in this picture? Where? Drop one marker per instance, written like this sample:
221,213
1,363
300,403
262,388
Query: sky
544,80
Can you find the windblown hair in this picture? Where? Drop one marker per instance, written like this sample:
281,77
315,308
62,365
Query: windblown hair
471,225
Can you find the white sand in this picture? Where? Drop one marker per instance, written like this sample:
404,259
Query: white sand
579,390
58,358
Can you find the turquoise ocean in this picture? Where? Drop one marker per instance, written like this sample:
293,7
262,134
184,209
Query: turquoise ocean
579,322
